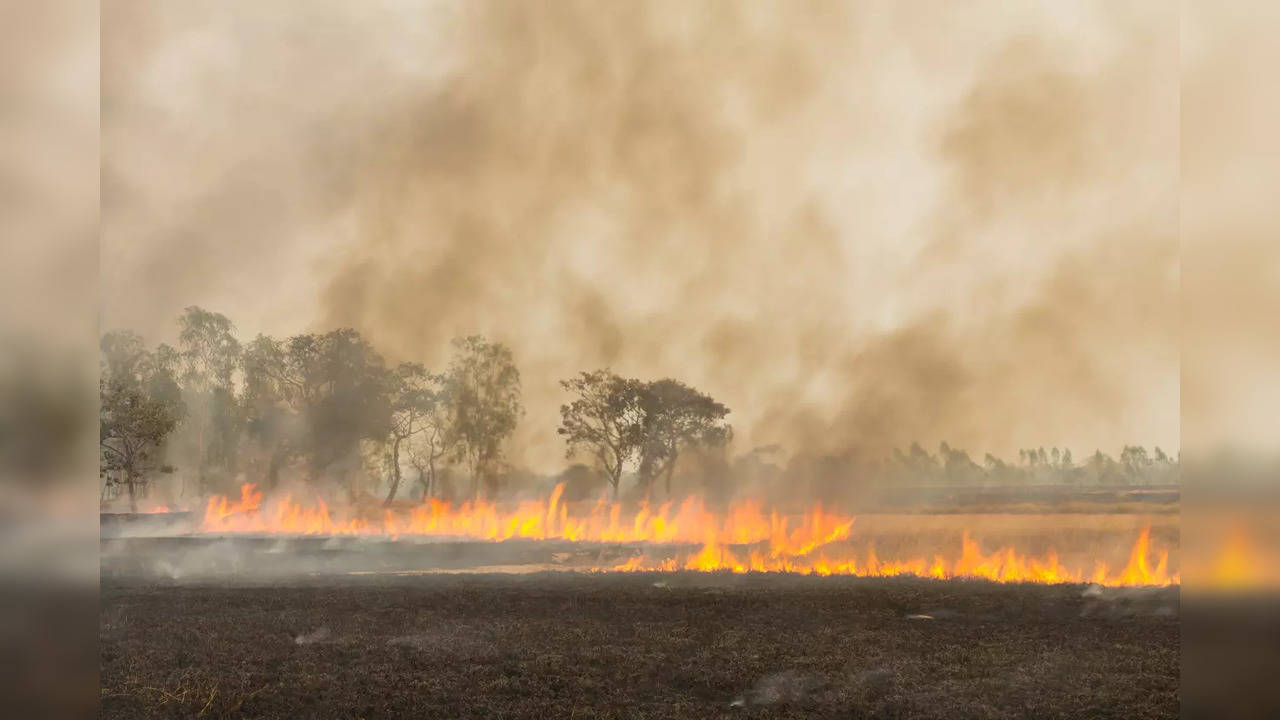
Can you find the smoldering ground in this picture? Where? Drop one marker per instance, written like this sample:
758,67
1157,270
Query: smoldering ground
855,225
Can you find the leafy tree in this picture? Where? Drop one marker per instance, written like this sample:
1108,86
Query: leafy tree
1164,468
917,464
483,388
957,467
316,396
343,392
270,420
210,355
675,416
140,404
605,420
1103,469
997,470
1136,463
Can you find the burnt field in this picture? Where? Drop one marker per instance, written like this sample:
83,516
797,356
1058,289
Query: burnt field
563,644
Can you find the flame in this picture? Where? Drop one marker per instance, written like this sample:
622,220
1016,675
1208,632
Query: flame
1240,561
745,538
1004,565
687,523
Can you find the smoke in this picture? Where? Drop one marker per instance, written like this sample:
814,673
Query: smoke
857,225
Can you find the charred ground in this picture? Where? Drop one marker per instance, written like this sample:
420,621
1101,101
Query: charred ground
650,646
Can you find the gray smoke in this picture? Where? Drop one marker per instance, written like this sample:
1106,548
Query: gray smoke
856,225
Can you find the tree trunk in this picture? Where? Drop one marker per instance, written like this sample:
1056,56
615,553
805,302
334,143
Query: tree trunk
671,470
476,466
133,498
273,468
353,487
646,476
431,477
202,482
395,472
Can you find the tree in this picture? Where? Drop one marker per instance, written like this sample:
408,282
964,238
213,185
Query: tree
997,470
483,387
957,467
1103,469
270,420
1136,463
675,416
917,464
316,396
605,420
430,446
210,355
140,405
413,399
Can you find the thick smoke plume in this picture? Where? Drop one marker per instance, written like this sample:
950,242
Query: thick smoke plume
857,224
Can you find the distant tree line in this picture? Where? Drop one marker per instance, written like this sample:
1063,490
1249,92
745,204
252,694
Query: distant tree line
952,466
327,407
850,475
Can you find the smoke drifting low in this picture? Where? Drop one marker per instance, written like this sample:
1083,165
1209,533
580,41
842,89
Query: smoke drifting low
858,225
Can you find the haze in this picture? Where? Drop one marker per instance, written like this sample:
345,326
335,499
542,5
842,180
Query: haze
857,224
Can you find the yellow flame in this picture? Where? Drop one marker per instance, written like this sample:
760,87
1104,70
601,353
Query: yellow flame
744,538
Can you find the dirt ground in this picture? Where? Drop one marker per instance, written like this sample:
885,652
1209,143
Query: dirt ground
682,645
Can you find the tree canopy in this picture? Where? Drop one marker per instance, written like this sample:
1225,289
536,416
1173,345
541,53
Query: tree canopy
615,420
141,404
604,419
483,387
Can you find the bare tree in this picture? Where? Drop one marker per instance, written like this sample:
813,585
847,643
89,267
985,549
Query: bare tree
431,445
413,401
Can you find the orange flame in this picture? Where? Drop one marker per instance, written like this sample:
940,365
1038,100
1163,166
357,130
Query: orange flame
745,538
1004,565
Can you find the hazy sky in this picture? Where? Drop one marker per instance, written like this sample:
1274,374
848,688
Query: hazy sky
857,224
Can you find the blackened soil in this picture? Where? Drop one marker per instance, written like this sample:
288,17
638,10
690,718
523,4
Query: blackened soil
635,646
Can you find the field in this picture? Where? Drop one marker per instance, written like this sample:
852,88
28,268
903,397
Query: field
632,645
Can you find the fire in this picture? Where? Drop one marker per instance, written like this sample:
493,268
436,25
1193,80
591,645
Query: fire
687,523
1004,565
745,538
